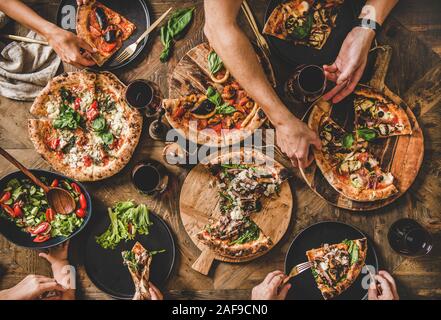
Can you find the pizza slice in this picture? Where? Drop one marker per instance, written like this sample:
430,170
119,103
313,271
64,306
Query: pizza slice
336,267
304,22
103,29
138,261
234,237
377,116
359,177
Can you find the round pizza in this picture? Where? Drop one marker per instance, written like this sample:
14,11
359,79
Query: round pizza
83,126
103,29
213,109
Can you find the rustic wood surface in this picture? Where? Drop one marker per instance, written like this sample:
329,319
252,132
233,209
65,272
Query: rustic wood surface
413,31
199,204
402,155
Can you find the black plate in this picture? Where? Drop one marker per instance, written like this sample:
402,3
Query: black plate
300,54
105,266
135,11
304,286
11,232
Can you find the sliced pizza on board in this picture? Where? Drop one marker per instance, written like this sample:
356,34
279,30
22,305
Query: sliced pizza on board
103,29
336,266
138,261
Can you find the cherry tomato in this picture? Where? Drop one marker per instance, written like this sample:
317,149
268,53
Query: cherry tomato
75,187
92,113
42,238
179,112
8,210
41,228
54,183
77,103
50,214
5,197
87,161
83,201
108,47
217,128
54,143
81,213
18,213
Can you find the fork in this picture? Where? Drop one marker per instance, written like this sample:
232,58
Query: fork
296,270
130,50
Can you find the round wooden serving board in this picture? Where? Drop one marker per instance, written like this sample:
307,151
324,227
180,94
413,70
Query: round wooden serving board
191,76
199,202
402,155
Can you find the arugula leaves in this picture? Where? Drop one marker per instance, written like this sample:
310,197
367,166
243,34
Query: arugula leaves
215,63
250,234
177,23
221,106
367,134
352,250
67,119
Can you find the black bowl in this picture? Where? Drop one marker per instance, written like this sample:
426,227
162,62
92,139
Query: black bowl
23,239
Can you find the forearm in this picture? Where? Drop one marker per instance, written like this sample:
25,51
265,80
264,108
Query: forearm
378,10
238,55
21,13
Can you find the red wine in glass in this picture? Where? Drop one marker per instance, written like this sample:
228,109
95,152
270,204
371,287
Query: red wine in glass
150,177
141,95
408,237
307,84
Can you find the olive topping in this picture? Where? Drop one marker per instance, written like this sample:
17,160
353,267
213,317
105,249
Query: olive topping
101,18
380,178
203,108
380,114
110,36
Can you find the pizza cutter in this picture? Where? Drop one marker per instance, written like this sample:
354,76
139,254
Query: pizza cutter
59,199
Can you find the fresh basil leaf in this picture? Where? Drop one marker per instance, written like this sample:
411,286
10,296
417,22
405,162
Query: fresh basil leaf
225,109
354,254
99,124
302,31
348,140
107,138
175,25
367,134
67,119
215,63
214,96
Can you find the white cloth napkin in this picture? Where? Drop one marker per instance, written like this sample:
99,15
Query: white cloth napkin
25,68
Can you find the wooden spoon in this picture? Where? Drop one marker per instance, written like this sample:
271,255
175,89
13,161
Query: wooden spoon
59,199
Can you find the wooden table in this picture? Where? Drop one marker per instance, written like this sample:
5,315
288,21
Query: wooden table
413,31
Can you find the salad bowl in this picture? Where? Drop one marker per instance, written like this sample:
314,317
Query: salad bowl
16,235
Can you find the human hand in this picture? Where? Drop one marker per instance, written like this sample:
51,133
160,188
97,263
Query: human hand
294,138
155,293
386,289
32,287
57,256
68,46
349,66
269,288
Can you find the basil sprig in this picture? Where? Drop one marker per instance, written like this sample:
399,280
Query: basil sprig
367,134
177,23
99,125
215,63
221,106
67,119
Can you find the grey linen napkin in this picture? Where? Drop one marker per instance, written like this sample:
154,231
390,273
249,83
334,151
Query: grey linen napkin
25,68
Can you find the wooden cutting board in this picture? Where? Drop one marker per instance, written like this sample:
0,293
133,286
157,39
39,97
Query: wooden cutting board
401,155
199,203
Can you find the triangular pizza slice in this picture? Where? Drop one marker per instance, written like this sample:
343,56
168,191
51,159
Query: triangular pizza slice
335,267
138,262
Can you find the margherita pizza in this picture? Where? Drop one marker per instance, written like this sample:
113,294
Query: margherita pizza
103,29
85,128
241,188
306,23
336,267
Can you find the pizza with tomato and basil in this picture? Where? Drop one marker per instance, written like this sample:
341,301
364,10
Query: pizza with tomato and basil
103,29
345,159
83,126
217,117
306,23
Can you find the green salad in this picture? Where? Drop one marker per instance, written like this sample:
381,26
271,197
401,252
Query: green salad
26,205
126,219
